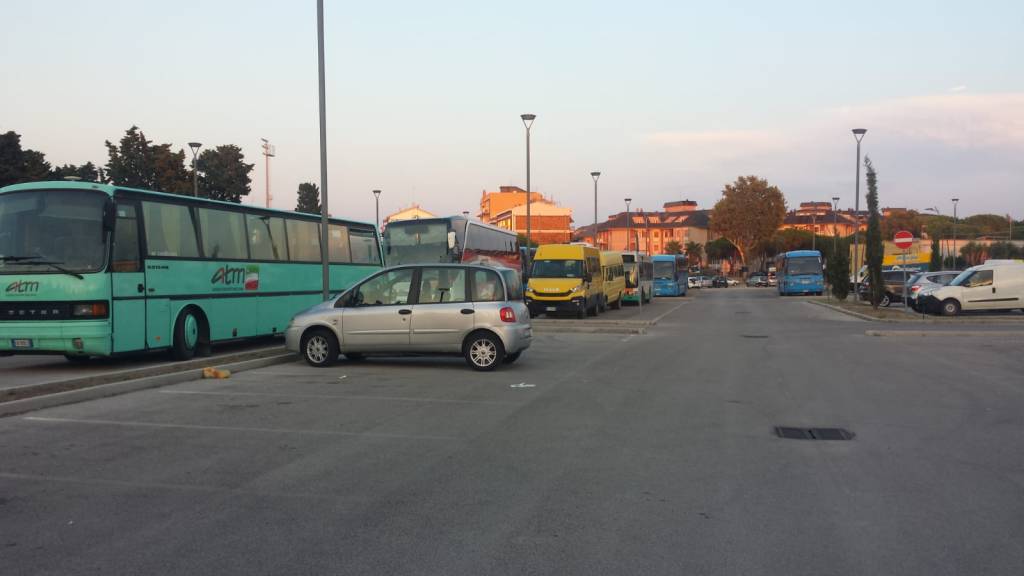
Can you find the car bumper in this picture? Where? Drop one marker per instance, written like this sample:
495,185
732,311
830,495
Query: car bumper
292,338
515,337
80,337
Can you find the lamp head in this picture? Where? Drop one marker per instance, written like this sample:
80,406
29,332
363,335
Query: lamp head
195,146
595,175
528,119
858,133
376,193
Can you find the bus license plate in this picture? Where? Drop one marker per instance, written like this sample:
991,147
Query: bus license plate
21,343
551,308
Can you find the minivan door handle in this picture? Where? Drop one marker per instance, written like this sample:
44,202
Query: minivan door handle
467,310
993,289
405,311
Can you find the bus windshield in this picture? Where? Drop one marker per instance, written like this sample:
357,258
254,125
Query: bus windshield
665,270
804,265
557,269
411,242
630,270
40,230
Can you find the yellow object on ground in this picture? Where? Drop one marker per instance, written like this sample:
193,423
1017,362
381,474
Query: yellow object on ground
215,373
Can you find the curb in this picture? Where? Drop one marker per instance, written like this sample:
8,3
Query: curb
589,329
125,386
915,318
847,312
1014,334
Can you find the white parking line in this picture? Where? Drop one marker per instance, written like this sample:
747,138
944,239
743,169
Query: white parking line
337,396
233,428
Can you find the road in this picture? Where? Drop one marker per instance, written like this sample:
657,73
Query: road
594,454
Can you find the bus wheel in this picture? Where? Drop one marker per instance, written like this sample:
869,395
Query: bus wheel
187,335
618,303
602,306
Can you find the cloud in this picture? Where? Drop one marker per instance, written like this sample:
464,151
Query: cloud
959,88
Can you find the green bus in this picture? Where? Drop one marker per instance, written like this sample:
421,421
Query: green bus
97,270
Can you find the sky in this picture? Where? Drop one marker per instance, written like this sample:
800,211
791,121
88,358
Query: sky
669,100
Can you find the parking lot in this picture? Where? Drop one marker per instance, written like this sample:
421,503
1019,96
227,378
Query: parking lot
596,453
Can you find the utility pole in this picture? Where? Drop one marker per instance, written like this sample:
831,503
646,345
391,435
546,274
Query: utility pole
324,256
268,153
595,176
858,133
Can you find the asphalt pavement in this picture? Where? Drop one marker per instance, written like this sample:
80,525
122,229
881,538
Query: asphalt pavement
593,454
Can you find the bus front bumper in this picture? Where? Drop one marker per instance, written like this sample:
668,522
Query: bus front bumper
540,306
78,337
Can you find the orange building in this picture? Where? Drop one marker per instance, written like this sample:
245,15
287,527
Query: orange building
507,197
650,231
818,217
549,223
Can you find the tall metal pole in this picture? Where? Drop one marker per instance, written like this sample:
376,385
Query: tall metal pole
858,133
955,201
629,226
528,122
268,152
324,250
595,175
376,198
195,146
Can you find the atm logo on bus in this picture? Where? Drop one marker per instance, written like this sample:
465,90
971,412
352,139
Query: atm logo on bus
234,277
22,287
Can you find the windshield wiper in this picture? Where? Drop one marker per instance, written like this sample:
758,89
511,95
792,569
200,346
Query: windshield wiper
19,258
55,265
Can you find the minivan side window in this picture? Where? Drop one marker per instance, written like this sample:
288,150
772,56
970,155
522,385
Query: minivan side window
513,284
442,285
487,286
387,289
979,278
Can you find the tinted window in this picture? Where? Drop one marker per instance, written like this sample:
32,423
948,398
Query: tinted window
337,240
387,289
126,241
266,238
223,234
364,247
303,241
439,285
170,230
979,278
513,284
487,286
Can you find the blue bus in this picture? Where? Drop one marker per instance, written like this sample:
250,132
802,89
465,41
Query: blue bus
669,274
799,272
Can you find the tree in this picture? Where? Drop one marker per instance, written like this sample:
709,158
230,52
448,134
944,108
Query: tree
20,165
902,220
874,249
87,172
224,175
973,253
131,161
694,253
673,247
720,249
749,212
792,239
839,274
984,225
935,264
309,198
169,172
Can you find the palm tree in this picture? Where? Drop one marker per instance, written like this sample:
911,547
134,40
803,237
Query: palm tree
694,252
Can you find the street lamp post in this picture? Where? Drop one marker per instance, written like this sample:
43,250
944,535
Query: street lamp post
629,226
858,133
595,176
835,223
955,201
324,256
268,153
528,122
376,199
195,146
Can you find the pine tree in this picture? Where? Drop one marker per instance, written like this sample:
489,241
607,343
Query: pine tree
874,249
935,264
309,198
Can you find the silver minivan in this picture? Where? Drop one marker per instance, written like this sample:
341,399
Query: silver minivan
475,311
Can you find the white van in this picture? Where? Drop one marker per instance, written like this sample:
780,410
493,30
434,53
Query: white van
984,287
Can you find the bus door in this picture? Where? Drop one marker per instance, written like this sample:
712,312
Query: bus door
128,281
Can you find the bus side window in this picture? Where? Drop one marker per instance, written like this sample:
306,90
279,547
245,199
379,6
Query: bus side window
126,241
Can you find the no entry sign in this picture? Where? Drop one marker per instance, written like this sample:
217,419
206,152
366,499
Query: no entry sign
903,239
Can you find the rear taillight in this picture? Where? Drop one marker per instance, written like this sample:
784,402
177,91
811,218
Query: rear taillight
89,310
915,288
508,314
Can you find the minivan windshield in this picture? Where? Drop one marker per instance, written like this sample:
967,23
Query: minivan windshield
962,277
557,269
47,230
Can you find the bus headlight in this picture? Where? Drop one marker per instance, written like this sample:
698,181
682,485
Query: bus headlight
577,288
89,310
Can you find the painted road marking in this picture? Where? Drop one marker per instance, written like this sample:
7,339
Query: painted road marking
128,423
335,396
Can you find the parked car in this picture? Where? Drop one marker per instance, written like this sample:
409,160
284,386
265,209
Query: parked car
893,288
693,282
719,282
757,280
733,282
984,287
471,310
705,282
924,283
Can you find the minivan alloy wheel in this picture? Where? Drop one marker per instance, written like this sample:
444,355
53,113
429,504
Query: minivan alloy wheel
483,352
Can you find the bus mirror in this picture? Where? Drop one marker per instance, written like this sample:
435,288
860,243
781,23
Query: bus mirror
451,240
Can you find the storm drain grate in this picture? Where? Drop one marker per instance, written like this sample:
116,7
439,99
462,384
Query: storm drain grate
791,433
